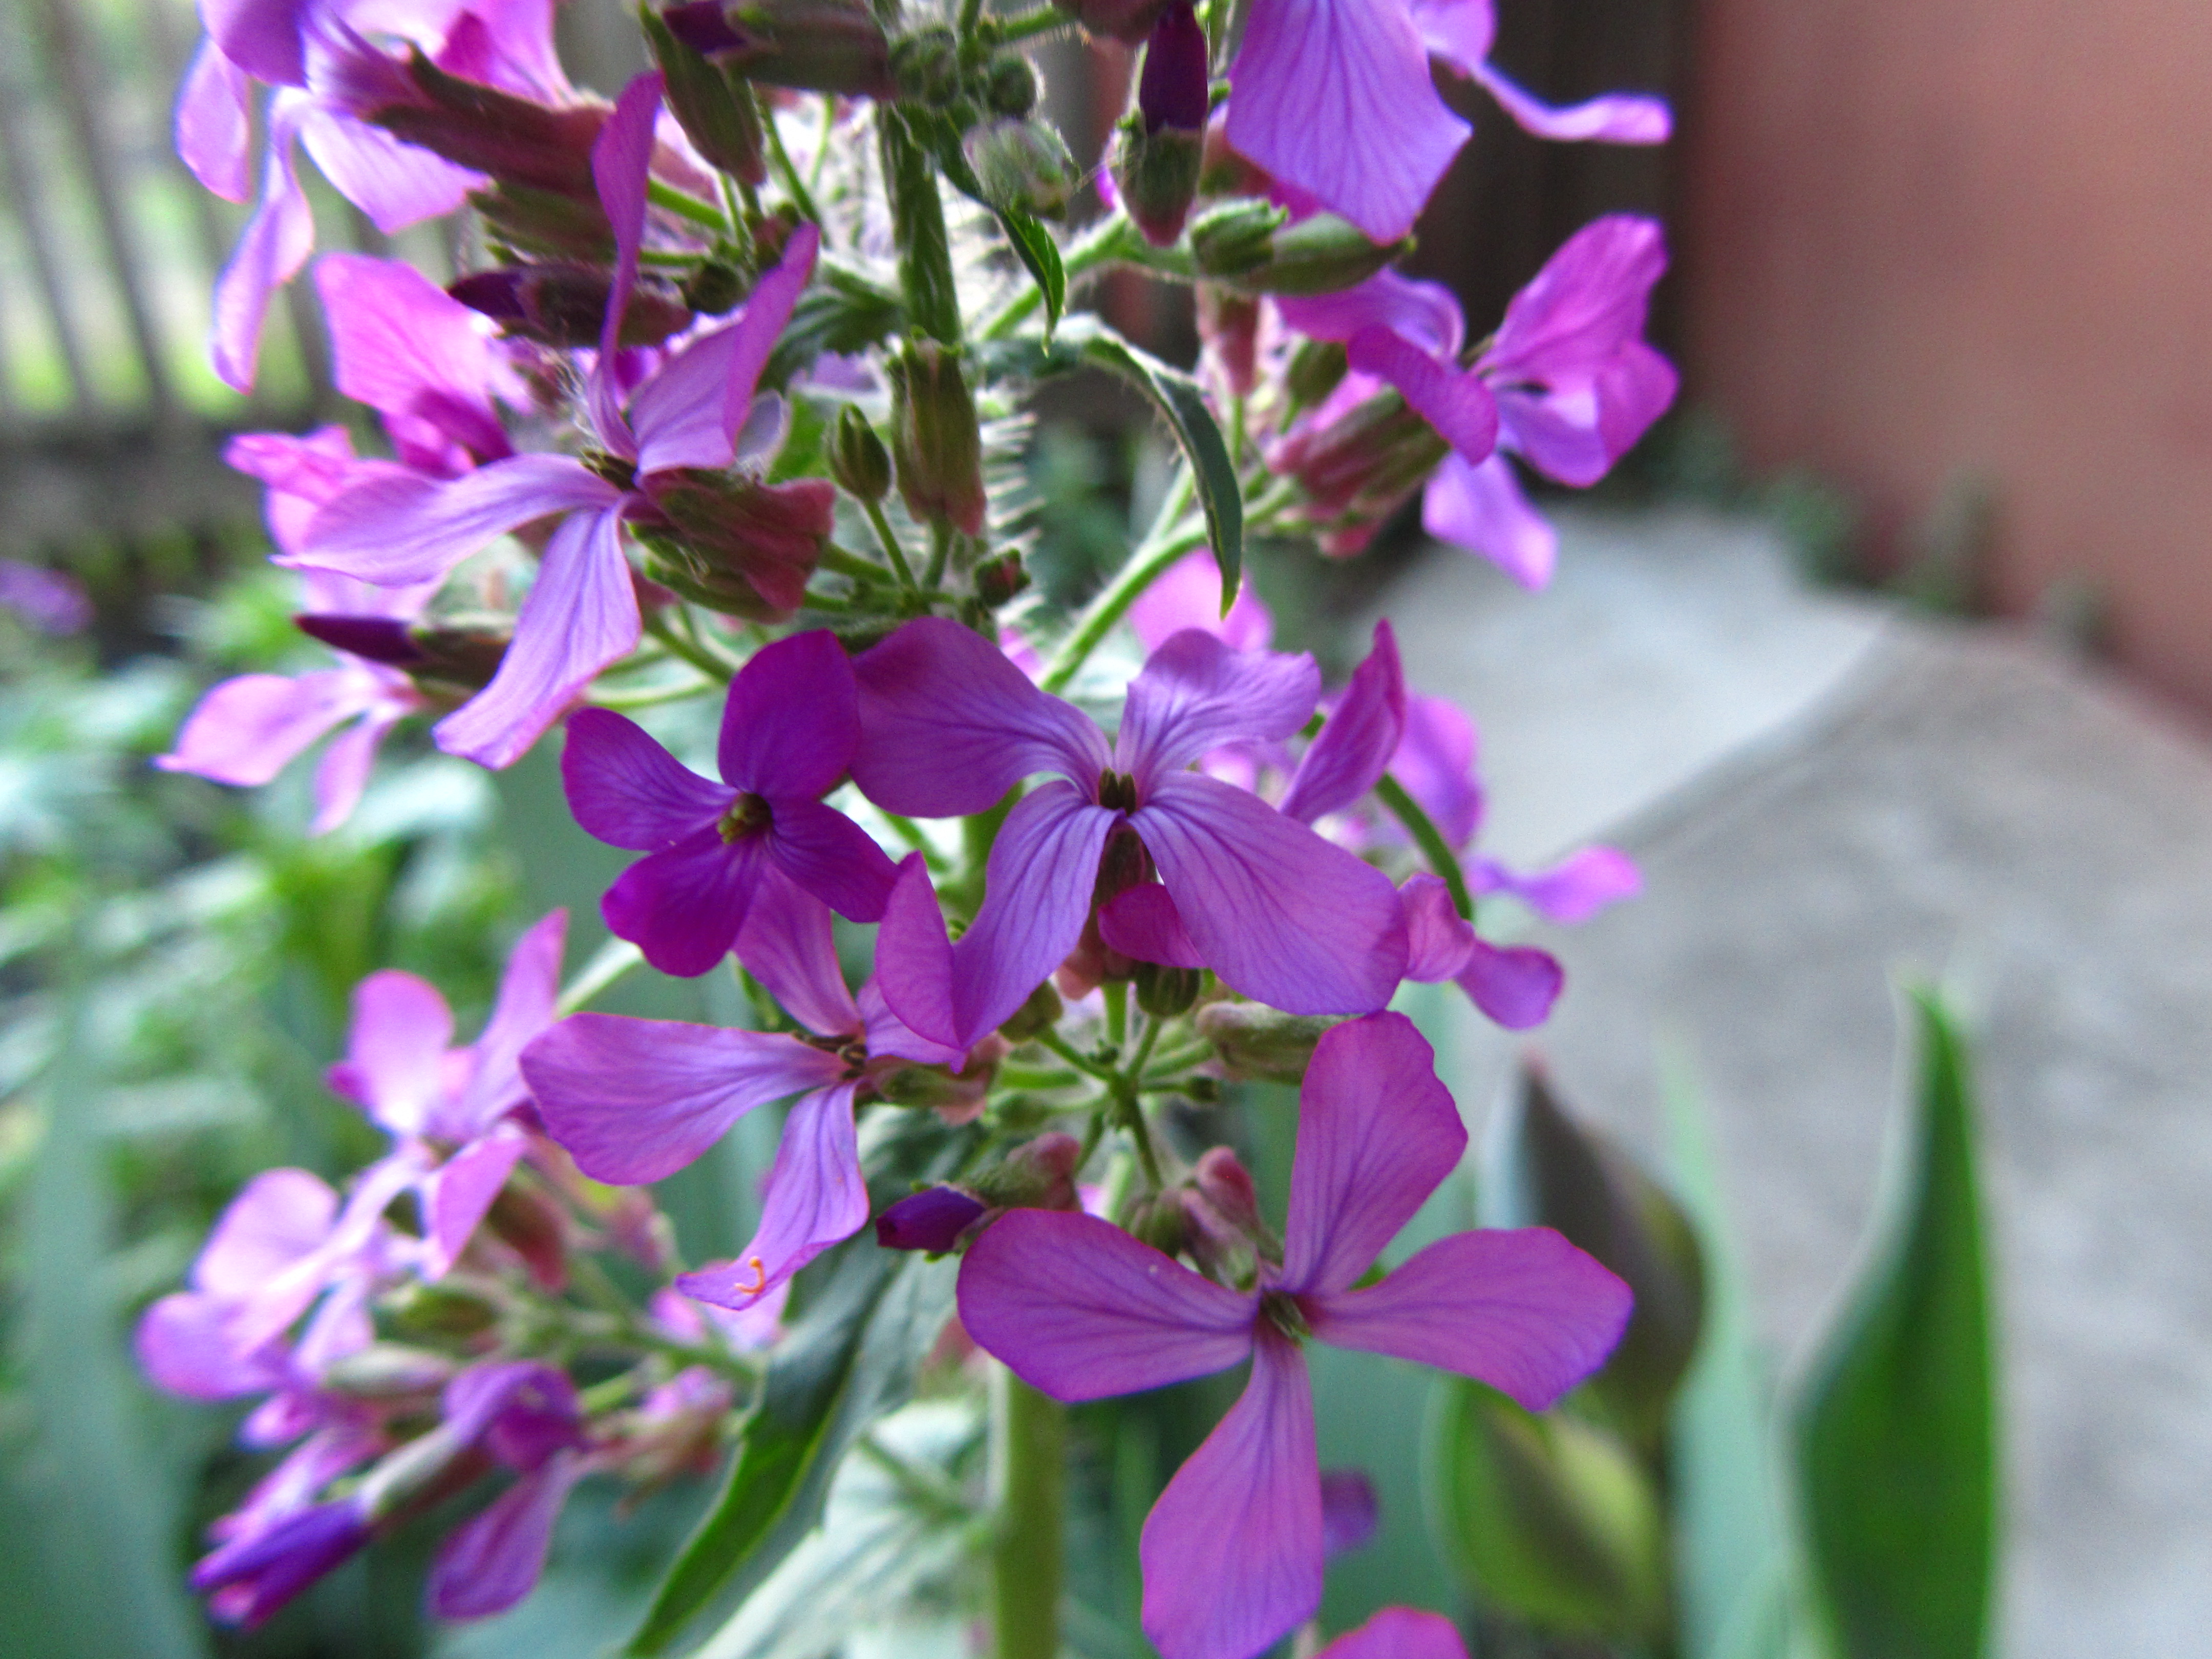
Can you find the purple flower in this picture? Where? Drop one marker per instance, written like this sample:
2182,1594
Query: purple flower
527,1416
637,1100
51,601
1232,1552
789,732
1400,1633
582,612
1188,595
1334,98
253,1575
948,725
935,1219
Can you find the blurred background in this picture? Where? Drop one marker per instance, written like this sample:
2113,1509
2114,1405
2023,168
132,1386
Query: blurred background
1890,652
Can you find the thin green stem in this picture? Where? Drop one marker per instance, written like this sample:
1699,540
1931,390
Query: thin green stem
914,836
1116,995
1429,839
1075,1057
685,206
940,554
656,624
892,549
1026,25
780,159
971,12
926,1488
822,143
846,563
609,963
1028,1481
1146,1044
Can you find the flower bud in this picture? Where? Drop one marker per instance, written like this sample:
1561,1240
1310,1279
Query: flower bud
1009,85
1260,1043
386,1371
1319,254
1160,1222
373,639
1357,470
1236,236
1024,164
740,546
1173,89
811,45
457,654
998,581
925,1086
715,110
713,289
1122,20
520,221
442,1309
562,304
1039,1175
1039,1012
1156,177
1163,991
934,1219
514,140
533,1226
1223,1182
1316,370
935,437
857,459
925,66
1229,331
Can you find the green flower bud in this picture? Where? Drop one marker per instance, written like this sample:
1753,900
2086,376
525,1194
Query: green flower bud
857,459
935,438
1009,85
1040,1012
713,288
1163,991
925,66
442,1309
811,45
1024,164
1235,237
1317,255
998,581
1157,176
386,1370
715,110
1259,1043
1316,368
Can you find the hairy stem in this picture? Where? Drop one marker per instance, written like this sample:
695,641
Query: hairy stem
1029,1474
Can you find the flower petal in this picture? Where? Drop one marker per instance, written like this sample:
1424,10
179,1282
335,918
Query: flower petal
413,353
1282,916
1082,1310
213,132
278,1217
1618,118
1435,762
1425,314
948,724
396,527
622,158
527,990
1574,889
1515,985
1523,1310
248,730
394,1067
793,719
579,615
495,1558
1349,1512
1438,940
1589,299
343,773
1232,1552
1354,747
457,1194
684,907
627,790
396,184
787,943
1377,1133
1480,507
1457,401
635,1100
1142,921
275,243
816,1197
1400,1633
1196,692
1333,97
831,857
1189,595
184,1345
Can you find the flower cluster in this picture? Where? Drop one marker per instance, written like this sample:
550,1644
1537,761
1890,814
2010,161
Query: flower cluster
727,410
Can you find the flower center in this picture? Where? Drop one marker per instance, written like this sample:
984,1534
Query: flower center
747,814
1281,1308
1117,791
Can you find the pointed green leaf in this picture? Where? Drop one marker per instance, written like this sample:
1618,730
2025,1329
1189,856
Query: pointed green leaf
1040,256
1896,1428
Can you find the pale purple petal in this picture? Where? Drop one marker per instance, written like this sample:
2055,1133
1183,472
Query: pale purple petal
1400,1633
948,724
635,1100
343,773
1333,97
278,1216
1377,1133
1196,693
395,1061
413,353
627,790
1349,1512
1435,762
793,719
831,857
1082,1310
394,527
262,37
1633,391
525,1408
816,1197
1438,940
786,943
1457,401
1588,301
456,1194
887,1033
185,1345
527,990
684,908
1523,1310
277,241
1574,889
621,156
495,1558
248,730
396,185
1142,921
248,1579
1232,1552
1423,313
213,132
1461,32
1189,595
1515,986
579,615
1356,743
1615,118
1282,916
1481,508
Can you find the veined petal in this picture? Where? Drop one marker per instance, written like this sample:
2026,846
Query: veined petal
396,184
1438,940
456,1194
527,990
1618,118
1588,300
1282,916
1453,400
1356,743
793,719
394,527
1333,97
1197,692
684,907
395,1061
1523,1310
635,1100
627,790
212,131
1479,506
887,1033
816,1196
948,724
1142,921
277,241
495,1558
831,857
579,615
409,349
1377,1133
1574,889
1232,1552
1082,1310
786,944
248,730
1515,985
1400,1633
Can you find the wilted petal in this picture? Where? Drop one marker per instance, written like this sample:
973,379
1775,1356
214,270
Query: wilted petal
275,243
1523,1310
627,790
458,1192
1082,1310
1356,743
1574,889
1377,1133
248,730
1282,916
495,1558
527,990
793,719
1232,1552
788,945
213,133
948,724
1400,1633
683,907
396,527
396,185
816,1196
395,1061
635,1100
579,615
1333,97
1515,986
1142,921
1196,693
1481,508
831,857
1454,401
411,352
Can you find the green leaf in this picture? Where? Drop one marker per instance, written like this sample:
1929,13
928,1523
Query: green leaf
1040,256
1896,1429
1550,1519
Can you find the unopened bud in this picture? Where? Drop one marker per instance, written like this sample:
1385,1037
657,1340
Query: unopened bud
1160,1223
532,1227
1356,471
1229,328
925,66
810,46
386,1370
564,304
934,1219
1039,1012
1121,20
1024,164
1235,237
715,110
935,438
713,288
513,139
1319,254
1316,370
1227,1185
1260,1043
742,547
457,654
1156,175
442,1310
1172,90
1000,579
373,639
925,1086
857,459
1009,85
1039,1175
1163,991
519,220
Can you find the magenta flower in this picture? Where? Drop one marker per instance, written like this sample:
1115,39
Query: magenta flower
581,613
1400,1633
635,1100
1232,1552
948,725
1188,595
790,729
1334,99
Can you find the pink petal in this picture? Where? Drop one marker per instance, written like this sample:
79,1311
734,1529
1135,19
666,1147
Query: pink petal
1377,1133
395,1061
1574,889
1425,314
1523,1310
1400,1633
1333,97
1461,32
887,1033
1614,118
184,1345
684,908
396,184
495,1558
343,773
1481,508
580,616
816,1197
527,990
1282,916
1196,693
277,239
412,352
395,527
627,790
1232,1552
1633,391
1355,744
622,157
1454,401
1082,1310
793,719
1189,595
278,1216
1588,300
1438,940
948,724
637,1100
212,130
1142,921
262,37
458,1192
248,730
787,943
831,857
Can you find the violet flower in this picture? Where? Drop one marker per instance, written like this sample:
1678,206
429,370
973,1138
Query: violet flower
635,1100
1400,1633
51,601
1334,99
530,1422
582,612
1232,1552
790,729
948,724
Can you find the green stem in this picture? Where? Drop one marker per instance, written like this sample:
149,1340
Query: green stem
1028,1481
925,1487
780,159
1151,561
609,963
892,549
940,554
1075,1057
925,247
914,835
1023,26
1146,1044
971,12
686,206
1429,839
1116,995
846,563
656,624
